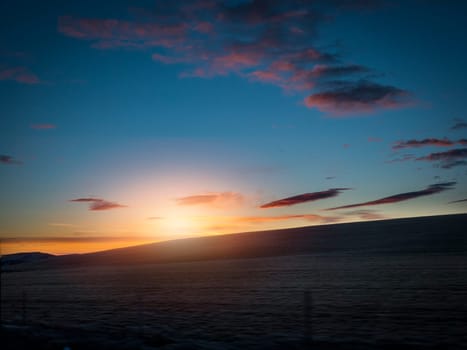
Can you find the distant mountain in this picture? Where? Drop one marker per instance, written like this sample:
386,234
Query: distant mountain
421,235
21,258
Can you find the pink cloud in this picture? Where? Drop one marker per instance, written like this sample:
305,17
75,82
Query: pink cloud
114,32
20,75
212,199
213,65
118,44
266,76
267,41
282,65
104,205
428,142
236,60
98,204
204,27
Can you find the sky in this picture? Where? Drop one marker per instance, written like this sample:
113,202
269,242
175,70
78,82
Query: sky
145,121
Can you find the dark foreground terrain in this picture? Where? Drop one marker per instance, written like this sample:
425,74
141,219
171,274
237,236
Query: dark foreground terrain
375,285
42,338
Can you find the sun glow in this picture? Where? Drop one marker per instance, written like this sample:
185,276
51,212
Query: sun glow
178,226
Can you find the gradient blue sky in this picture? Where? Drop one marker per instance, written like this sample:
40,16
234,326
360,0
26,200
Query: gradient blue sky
152,120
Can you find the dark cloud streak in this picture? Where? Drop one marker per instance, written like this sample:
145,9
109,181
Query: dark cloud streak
358,97
428,142
431,189
448,159
305,197
459,125
9,160
458,201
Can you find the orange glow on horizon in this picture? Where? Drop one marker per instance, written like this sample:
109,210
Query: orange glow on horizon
179,224
66,247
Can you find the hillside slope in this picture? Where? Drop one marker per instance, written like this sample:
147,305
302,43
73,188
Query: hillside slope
421,235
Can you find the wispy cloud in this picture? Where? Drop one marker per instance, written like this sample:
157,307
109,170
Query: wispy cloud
43,126
431,189
9,160
327,71
19,74
448,159
459,201
264,219
98,204
367,214
212,199
453,164
459,125
403,158
268,41
238,223
428,142
115,33
305,197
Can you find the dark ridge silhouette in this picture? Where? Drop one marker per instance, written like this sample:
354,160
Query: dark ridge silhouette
420,235
21,258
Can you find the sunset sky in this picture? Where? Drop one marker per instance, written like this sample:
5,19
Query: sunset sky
144,121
